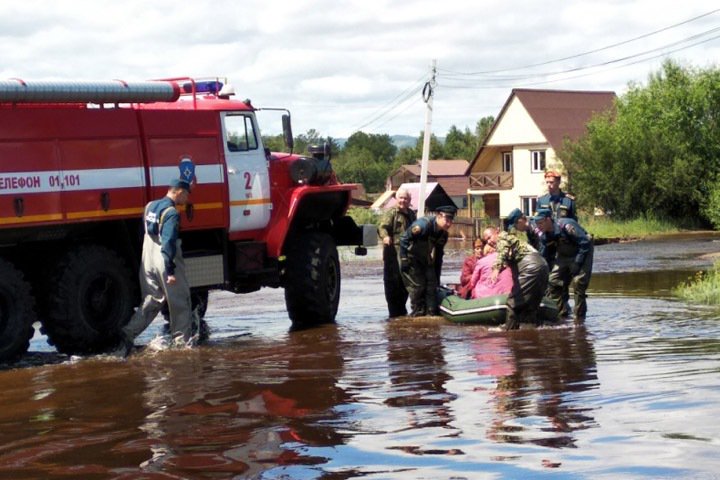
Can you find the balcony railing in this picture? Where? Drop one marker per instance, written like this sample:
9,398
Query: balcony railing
491,181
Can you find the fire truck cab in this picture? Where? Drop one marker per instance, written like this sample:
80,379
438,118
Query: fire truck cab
80,160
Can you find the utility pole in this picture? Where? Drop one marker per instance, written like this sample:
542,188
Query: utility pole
428,94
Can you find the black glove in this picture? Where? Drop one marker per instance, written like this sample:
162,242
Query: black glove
404,265
575,269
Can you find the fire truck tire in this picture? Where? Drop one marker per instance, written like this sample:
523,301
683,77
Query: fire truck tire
92,296
312,280
17,313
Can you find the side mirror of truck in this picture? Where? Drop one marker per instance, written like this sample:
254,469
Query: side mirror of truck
287,132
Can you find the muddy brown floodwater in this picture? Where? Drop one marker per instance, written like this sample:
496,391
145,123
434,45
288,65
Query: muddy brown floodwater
632,393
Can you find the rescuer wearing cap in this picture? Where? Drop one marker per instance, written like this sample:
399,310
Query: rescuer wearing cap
422,247
529,269
560,203
573,263
392,225
162,270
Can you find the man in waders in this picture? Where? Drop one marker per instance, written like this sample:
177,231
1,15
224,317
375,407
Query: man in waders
162,271
422,247
392,225
529,270
573,263
562,205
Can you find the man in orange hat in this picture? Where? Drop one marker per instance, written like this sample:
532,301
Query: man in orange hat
560,203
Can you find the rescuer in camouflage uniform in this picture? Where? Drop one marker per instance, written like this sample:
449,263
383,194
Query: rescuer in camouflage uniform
529,268
422,247
392,225
573,263
162,271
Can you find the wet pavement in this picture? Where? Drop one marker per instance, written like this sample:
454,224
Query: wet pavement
632,393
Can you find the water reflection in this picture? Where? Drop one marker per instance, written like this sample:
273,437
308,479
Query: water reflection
539,375
418,375
245,410
627,395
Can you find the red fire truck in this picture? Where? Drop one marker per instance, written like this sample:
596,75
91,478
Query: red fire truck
78,163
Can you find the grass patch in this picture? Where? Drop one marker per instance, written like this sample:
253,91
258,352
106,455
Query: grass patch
703,288
602,227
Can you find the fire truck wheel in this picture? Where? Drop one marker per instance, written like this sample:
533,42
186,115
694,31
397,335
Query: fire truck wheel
91,298
312,279
17,313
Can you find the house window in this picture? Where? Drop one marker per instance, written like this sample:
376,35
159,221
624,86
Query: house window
529,205
507,161
537,158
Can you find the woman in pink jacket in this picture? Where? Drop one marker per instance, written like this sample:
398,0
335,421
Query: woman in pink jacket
482,283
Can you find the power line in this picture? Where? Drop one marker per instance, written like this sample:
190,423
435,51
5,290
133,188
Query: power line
624,42
395,103
518,78
404,100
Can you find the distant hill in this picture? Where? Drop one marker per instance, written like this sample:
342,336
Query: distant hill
399,141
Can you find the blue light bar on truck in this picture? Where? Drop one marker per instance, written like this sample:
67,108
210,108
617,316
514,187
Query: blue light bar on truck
210,86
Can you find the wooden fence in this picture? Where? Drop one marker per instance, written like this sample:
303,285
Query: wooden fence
468,228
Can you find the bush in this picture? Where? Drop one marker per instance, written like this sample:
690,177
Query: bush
364,216
703,288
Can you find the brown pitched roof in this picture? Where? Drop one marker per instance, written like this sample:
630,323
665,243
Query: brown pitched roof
557,113
440,168
563,113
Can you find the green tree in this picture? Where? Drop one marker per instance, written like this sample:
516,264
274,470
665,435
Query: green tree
460,144
358,165
407,156
658,153
367,159
482,128
436,147
380,146
276,143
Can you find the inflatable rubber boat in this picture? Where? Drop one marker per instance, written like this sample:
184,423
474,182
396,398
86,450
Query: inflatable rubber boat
488,310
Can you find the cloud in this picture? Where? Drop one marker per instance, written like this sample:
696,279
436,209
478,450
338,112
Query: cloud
340,64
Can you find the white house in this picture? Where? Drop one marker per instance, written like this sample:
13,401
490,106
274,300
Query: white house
508,170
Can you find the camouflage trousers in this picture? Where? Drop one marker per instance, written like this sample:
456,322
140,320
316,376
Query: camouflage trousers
530,280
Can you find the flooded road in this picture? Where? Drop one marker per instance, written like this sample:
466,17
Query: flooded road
632,393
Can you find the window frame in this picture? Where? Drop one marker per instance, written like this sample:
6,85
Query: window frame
507,161
242,125
530,202
538,161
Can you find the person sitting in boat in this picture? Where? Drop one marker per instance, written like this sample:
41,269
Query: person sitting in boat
482,282
529,271
464,289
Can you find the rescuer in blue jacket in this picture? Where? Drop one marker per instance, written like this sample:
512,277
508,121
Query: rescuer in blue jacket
422,247
573,261
561,204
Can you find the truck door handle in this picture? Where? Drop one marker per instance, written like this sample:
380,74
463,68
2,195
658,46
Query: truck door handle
105,201
19,206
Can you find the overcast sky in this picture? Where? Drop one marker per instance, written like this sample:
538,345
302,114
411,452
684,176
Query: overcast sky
342,66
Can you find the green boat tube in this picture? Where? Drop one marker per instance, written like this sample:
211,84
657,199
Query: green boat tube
488,310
